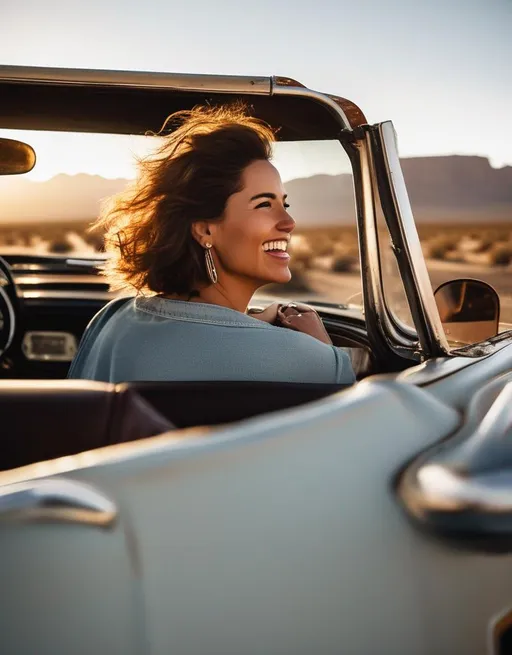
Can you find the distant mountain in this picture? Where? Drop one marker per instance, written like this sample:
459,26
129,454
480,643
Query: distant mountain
63,197
455,188
323,199
456,182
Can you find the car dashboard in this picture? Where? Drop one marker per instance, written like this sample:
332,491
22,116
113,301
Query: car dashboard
56,299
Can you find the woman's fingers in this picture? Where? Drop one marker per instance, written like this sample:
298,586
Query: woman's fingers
269,314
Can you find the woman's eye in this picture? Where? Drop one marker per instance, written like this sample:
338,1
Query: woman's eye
267,203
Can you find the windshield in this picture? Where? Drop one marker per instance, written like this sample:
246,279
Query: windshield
462,208
50,210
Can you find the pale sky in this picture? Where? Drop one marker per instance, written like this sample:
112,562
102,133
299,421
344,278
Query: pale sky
440,69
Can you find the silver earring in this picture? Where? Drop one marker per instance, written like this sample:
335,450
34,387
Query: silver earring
210,266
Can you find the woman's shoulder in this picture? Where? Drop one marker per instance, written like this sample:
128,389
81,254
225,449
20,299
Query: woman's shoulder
196,312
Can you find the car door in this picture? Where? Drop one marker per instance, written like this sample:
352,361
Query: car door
279,534
69,579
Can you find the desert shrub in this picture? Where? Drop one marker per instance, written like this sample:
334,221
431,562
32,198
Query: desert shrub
485,245
60,247
96,241
502,235
501,254
346,248
343,264
439,246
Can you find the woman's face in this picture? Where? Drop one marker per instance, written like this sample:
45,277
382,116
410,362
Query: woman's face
252,239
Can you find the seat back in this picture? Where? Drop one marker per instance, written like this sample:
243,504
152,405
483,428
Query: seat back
189,404
45,419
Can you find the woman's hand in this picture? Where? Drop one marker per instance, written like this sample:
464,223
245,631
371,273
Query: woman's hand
302,318
294,316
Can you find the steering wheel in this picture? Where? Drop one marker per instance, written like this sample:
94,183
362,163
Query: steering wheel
8,308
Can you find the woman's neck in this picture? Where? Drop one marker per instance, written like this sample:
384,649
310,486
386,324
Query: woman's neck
236,298
216,294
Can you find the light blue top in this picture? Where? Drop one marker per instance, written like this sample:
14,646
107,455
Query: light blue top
157,339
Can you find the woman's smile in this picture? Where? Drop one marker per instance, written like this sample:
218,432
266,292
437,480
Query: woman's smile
277,249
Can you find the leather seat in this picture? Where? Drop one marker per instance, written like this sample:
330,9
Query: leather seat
44,419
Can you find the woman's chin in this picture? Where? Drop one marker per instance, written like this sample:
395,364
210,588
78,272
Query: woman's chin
282,278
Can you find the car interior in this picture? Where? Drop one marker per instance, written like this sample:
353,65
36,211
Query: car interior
46,416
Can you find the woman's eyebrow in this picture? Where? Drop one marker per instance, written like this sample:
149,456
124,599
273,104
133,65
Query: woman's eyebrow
272,196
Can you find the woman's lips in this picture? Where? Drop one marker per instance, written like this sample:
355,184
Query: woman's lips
278,254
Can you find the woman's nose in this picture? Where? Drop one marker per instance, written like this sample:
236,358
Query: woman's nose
286,224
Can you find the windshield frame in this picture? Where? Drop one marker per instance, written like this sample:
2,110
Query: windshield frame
406,243
409,255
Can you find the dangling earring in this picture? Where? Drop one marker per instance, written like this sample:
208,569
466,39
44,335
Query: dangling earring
210,266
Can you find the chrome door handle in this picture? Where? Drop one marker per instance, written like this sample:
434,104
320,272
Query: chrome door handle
56,500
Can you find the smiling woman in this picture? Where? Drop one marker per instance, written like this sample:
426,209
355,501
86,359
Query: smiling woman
204,226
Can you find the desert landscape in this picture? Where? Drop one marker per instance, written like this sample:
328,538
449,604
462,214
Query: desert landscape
462,207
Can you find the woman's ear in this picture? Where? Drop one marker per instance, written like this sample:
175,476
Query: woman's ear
201,232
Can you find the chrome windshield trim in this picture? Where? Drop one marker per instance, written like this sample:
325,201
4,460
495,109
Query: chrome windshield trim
300,91
138,79
412,247
371,243
396,339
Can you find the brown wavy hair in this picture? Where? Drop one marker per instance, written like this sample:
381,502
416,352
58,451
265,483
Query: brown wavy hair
189,178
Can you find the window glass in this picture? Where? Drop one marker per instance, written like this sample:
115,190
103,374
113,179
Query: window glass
50,209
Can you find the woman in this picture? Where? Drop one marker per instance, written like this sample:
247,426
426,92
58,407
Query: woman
205,226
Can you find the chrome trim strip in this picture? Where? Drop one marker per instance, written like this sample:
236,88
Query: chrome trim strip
303,92
369,220
138,79
443,490
397,342
410,239
470,474
86,263
56,278
47,294
56,500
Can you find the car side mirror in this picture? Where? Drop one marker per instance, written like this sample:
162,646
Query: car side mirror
16,157
469,311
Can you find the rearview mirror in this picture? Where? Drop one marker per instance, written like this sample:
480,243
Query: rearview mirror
16,157
469,311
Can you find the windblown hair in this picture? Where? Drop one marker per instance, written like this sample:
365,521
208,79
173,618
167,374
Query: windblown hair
199,165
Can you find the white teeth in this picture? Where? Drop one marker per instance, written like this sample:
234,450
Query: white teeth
276,245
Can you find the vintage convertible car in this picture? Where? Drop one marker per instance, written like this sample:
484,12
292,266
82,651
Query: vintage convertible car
253,518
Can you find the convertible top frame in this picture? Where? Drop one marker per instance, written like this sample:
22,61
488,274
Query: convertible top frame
54,99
